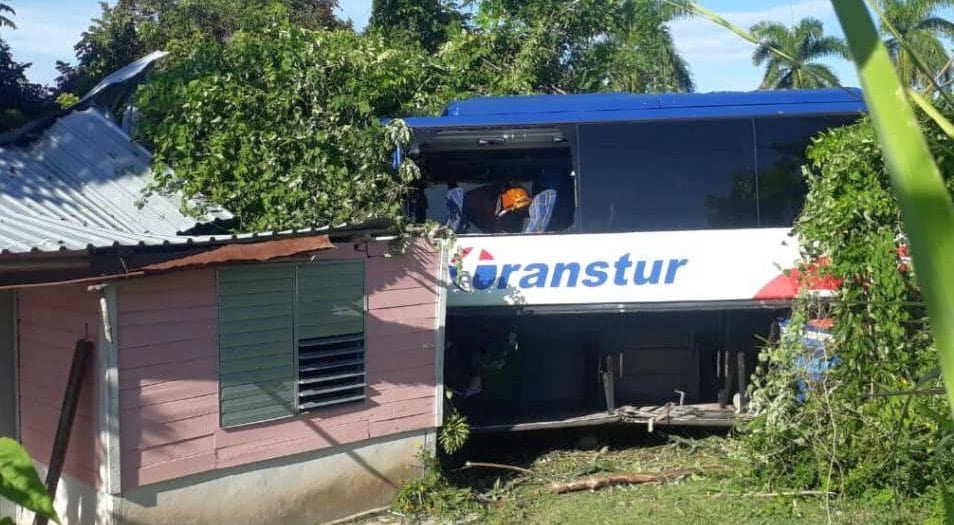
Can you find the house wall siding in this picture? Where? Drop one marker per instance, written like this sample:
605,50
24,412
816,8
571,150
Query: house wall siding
50,320
169,385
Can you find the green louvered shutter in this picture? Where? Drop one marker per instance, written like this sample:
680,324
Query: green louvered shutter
256,344
330,333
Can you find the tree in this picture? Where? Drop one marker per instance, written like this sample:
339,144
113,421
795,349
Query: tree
5,21
20,99
281,125
130,29
637,54
802,45
424,21
917,23
561,46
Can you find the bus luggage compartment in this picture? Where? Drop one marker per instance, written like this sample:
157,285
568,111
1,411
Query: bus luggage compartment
508,371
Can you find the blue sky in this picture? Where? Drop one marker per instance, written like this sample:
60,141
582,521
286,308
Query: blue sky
719,60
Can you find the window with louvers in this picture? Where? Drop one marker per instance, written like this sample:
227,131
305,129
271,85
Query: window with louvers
256,344
291,339
330,330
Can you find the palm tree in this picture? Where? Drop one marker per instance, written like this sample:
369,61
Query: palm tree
918,24
5,21
796,67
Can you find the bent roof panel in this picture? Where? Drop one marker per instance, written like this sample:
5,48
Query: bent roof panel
608,107
85,171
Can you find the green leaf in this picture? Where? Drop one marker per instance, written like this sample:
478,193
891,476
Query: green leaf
19,481
932,112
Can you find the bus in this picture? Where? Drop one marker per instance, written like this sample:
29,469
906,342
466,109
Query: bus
650,264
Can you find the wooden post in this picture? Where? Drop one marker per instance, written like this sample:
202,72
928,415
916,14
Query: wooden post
743,398
726,396
84,348
609,386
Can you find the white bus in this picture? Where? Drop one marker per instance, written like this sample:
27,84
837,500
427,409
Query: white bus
638,283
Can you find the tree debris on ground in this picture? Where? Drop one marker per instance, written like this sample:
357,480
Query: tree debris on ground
632,478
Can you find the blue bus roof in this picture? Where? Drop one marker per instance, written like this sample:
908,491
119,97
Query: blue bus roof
609,107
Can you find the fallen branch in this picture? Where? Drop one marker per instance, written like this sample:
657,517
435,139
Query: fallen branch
792,493
600,482
472,464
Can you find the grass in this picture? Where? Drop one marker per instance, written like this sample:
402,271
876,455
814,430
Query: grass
718,495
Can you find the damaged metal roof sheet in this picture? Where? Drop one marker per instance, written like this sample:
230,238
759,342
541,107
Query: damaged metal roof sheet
32,234
83,178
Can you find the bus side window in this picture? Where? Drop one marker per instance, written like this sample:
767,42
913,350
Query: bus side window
648,176
781,143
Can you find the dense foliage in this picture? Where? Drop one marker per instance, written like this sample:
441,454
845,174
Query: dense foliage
875,421
281,125
424,22
20,99
128,29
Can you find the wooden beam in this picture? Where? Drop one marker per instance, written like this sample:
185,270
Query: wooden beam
84,348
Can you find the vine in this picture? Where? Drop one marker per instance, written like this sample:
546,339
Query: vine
873,423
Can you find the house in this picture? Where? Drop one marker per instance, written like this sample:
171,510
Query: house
286,377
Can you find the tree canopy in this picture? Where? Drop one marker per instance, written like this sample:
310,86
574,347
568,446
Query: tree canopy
801,46
281,121
280,125
128,29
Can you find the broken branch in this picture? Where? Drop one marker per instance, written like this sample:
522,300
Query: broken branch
600,482
472,464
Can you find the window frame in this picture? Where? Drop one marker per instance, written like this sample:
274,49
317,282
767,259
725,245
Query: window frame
294,298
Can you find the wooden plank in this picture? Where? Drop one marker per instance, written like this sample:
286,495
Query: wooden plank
133,320
154,432
81,357
168,452
401,298
204,367
136,477
174,352
168,392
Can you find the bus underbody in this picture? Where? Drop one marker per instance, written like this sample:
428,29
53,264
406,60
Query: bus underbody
512,369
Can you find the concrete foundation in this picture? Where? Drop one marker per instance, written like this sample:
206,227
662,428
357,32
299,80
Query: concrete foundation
76,502
305,489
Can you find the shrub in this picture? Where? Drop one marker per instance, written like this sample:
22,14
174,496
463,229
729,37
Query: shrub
858,430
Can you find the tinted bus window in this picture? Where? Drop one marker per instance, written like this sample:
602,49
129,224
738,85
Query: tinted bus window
781,144
667,175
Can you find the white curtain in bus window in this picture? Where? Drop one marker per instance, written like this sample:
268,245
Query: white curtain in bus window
651,176
781,144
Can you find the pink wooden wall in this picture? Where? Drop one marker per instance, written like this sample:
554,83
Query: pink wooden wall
51,320
168,379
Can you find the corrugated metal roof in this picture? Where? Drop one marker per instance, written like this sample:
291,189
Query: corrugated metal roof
608,107
83,179
31,234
